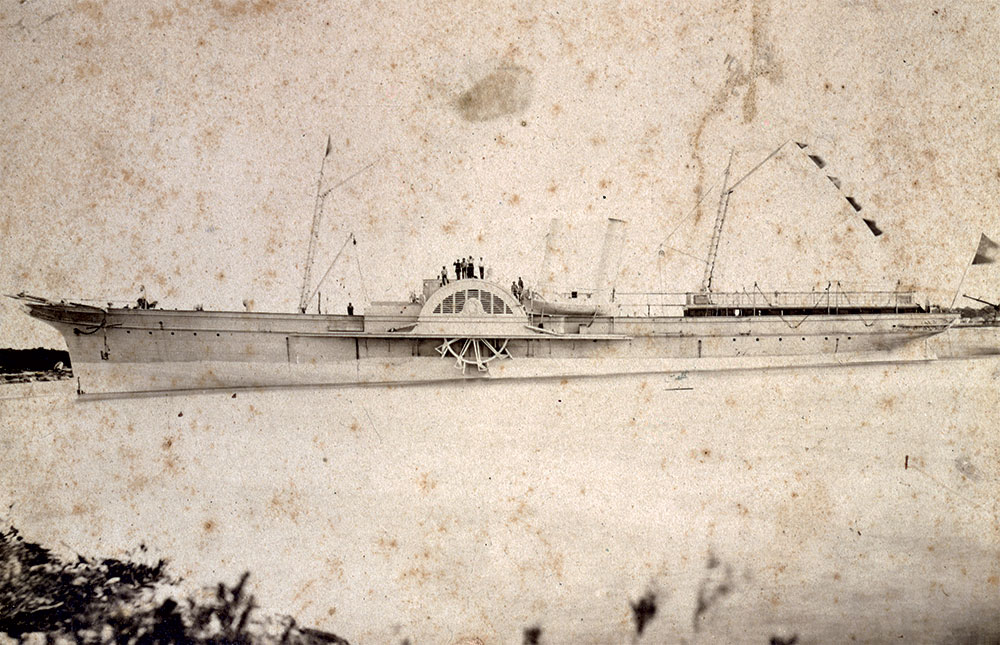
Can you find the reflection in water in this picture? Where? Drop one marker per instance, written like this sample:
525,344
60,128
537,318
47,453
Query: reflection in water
808,504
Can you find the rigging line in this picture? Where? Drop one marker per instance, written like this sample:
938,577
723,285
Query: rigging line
347,179
711,189
94,329
862,318
960,283
361,276
757,167
691,212
780,315
690,255
664,246
350,238
314,230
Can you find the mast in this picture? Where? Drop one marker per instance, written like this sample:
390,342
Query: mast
553,251
314,234
713,249
609,264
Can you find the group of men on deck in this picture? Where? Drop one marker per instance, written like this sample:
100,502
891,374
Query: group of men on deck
464,268
517,288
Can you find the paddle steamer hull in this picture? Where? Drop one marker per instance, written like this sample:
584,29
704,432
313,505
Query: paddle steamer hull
132,350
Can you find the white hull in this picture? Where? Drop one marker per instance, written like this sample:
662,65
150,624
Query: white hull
158,351
168,376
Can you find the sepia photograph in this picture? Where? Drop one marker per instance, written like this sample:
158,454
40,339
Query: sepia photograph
477,323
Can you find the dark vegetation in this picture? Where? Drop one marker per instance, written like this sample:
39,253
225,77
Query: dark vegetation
714,587
533,635
25,365
39,359
982,313
114,601
791,640
643,611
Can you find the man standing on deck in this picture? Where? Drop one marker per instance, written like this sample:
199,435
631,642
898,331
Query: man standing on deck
482,269
458,269
444,276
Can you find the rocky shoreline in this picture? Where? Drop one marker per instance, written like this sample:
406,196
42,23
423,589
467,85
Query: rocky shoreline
36,377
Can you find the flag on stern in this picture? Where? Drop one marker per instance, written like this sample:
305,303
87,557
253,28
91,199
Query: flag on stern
987,251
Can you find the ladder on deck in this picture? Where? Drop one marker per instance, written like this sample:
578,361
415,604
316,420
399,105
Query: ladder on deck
720,217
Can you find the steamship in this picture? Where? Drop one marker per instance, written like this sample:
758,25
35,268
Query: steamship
477,330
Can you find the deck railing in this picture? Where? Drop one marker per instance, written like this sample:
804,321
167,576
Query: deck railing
656,303
802,299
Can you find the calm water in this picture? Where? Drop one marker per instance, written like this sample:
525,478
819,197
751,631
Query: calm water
826,503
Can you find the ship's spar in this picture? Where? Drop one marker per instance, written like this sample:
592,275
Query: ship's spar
727,190
720,218
306,295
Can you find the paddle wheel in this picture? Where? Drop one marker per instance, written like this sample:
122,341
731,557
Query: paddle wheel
474,351
474,320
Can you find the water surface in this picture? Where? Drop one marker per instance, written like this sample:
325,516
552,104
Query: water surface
824,503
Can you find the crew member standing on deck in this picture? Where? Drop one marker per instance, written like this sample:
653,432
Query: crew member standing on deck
482,269
350,309
458,269
444,276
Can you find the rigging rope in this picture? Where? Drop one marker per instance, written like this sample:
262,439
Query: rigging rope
93,330
361,276
840,293
780,315
814,305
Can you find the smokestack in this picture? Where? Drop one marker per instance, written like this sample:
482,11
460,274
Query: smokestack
554,256
611,254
